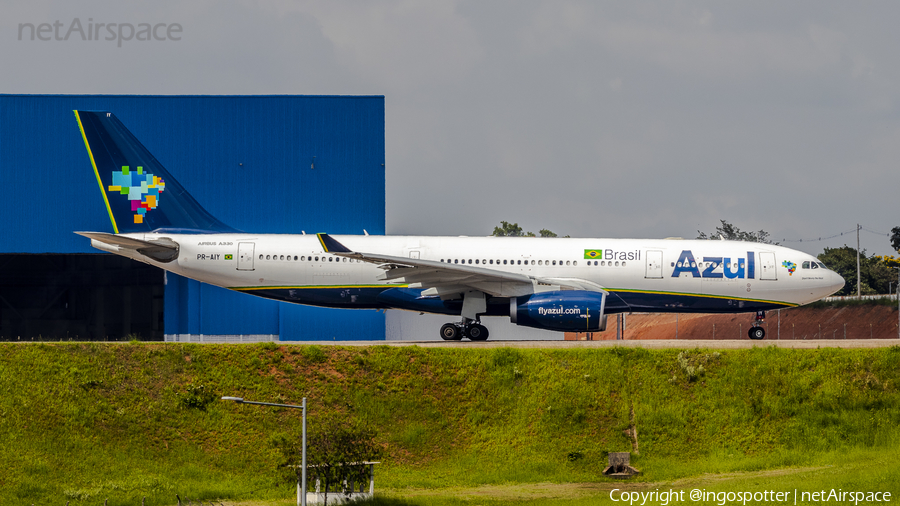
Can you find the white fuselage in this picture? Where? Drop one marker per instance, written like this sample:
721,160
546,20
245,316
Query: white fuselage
640,274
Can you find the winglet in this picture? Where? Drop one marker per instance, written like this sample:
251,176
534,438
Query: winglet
330,245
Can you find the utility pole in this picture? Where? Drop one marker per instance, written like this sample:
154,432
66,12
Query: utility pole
857,261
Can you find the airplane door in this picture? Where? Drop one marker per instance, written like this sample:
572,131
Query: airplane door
654,265
767,266
245,256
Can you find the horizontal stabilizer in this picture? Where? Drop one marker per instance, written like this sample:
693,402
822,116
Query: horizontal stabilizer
162,250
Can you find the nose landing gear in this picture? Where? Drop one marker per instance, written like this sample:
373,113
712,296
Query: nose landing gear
756,332
472,329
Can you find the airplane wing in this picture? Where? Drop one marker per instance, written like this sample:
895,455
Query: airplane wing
161,250
447,280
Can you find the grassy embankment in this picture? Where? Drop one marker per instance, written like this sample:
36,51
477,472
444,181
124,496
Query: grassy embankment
87,422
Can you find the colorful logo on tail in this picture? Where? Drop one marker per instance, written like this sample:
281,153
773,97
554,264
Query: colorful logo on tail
142,189
790,266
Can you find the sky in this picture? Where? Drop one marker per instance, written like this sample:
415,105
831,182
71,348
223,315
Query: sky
591,119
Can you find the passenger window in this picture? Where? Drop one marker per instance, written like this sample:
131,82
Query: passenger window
470,261
575,262
492,261
317,259
267,257
504,262
282,257
567,262
519,262
456,261
617,264
623,264
540,262
260,257
554,262
476,261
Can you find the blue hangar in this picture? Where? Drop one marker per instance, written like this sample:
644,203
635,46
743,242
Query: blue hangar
267,164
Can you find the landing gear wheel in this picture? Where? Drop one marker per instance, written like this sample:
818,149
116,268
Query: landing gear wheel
450,332
756,333
477,332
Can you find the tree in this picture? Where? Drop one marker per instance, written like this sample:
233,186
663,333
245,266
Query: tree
889,260
732,233
895,238
507,229
333,447
875,273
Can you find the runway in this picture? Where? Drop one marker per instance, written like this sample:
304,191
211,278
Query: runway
648,344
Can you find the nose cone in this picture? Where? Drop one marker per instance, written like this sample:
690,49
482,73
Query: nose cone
836,282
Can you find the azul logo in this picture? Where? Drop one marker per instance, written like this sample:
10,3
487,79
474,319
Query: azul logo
790,266
142,189
716,267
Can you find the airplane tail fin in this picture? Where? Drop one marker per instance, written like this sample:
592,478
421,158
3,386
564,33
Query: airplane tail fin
140,194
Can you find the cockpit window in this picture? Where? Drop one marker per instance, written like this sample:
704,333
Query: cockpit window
805,265
814,265
821,265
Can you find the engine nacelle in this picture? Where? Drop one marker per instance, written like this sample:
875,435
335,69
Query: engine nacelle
565,311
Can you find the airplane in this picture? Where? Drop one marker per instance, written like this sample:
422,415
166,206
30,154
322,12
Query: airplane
557,284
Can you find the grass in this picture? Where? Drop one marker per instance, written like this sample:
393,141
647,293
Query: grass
86,422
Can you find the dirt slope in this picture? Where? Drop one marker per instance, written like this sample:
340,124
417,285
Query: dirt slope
853,322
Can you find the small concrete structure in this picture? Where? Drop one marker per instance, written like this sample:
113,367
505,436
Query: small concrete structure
620,466
348,492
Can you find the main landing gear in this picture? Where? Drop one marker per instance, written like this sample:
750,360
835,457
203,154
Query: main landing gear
756,331
472,329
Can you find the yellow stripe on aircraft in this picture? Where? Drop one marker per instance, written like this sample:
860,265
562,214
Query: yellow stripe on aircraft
96,173
710,296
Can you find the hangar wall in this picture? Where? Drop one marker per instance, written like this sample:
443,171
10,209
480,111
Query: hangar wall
267,164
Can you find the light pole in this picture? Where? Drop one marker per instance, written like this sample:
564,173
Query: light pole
301,490
898,302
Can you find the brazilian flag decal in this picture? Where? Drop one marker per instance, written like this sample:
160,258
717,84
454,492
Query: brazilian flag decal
593,253
228,257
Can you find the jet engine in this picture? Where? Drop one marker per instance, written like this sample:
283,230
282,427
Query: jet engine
565,311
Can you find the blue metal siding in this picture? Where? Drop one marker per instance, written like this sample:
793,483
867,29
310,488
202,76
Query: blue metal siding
267,164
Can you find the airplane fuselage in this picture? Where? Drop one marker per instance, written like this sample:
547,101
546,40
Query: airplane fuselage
641,275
